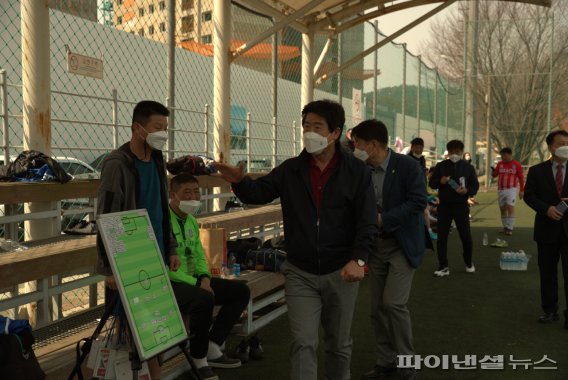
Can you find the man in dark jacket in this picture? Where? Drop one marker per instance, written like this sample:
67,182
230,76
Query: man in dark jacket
456,181
134,177
330,224
545,190
400,190
416,150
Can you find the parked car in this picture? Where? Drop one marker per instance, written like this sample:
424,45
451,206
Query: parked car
78,169
73,166
259,165
97,164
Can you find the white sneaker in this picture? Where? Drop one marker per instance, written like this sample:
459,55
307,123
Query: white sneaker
442,272
470,269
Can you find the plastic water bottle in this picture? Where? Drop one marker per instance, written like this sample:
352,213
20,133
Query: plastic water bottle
231,263
485,239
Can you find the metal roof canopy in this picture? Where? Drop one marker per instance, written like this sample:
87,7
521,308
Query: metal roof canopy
329,17
335,16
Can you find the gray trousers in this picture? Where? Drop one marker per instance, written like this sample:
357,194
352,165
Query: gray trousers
391,280
313,299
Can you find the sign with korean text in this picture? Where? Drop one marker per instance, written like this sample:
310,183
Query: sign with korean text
356,107
83,65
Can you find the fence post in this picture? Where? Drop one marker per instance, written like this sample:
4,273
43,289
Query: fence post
274,142
248,142
171,69
418,116
5,130
294,138
206,130
403,105
114,118
435,119
171,127
375,69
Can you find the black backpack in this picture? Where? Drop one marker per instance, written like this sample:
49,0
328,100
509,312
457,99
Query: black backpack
24,165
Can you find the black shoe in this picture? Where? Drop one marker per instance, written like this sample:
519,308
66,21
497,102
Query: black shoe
548,318
243,351
378,372
256,350
224,361
207,373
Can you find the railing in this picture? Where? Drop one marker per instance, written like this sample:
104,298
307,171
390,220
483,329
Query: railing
270,141
63,265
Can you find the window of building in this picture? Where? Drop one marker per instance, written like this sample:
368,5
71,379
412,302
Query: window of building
141,32
206,16
206,39
162,27
162,5
119,20
186,5
151,8
151,30
187,24
141,12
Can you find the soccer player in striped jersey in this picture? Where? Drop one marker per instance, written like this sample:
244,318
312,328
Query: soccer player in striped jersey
510,173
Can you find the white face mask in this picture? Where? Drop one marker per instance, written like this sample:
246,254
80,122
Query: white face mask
360,154
416,155
314,143
157,140
562,152
190,207
455,158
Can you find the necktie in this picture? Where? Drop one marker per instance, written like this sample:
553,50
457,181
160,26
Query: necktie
559,182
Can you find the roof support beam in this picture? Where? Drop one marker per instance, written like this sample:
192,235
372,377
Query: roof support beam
267,10
370,50
276,27
307,86
322,55
383,11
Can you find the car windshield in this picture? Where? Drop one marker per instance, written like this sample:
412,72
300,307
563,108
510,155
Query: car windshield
74,168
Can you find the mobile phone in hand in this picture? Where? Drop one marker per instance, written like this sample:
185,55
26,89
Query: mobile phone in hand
453,184
562,207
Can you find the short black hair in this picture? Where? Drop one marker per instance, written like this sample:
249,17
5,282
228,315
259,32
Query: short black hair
147,108
454,144
506,150
331,111
182,179
417,141
371,130
552,135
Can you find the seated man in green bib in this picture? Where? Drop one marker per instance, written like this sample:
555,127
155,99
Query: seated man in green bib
206,291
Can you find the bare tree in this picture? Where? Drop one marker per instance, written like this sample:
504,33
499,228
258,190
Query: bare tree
521,61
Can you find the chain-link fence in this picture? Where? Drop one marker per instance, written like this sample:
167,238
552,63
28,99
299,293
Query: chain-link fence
91,116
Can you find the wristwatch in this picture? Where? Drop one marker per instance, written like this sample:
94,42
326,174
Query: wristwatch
360,262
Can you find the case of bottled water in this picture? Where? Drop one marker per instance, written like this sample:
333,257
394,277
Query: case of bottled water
514,260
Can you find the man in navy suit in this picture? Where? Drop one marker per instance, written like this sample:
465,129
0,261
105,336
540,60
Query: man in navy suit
545,189
400,189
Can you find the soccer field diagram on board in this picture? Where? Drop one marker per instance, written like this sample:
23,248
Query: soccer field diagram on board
142,280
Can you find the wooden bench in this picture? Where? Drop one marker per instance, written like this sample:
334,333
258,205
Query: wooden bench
55,256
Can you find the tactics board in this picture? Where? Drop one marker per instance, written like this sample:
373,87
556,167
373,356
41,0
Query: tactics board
142,281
